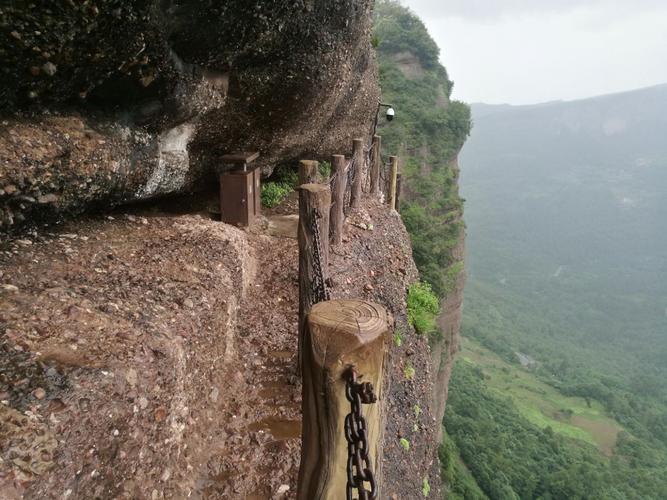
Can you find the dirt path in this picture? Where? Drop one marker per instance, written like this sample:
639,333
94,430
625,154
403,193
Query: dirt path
262,403
148,356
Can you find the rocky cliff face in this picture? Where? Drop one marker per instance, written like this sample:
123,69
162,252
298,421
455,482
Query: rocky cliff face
108,101
449,322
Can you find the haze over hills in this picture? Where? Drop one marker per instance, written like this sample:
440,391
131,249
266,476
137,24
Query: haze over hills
569,188
566,210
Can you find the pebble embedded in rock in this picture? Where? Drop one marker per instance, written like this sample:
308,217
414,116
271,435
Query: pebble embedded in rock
131,377
49,68
47,198
284,488
39,393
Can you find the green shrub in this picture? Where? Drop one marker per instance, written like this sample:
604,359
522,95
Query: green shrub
286,175
423,308
409,371
273,193
405,444
325,170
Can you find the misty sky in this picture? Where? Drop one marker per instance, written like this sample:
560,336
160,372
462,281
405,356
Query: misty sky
529,51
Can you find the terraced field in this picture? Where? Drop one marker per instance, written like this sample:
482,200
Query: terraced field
542,404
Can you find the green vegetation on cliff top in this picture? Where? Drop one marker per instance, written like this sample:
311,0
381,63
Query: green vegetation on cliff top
427,134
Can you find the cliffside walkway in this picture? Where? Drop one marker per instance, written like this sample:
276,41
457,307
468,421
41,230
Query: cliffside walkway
152,355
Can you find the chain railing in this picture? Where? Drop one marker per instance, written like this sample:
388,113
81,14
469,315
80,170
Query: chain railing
320,288
359,467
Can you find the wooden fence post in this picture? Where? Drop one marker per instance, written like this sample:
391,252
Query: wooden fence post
375,166
392,181
308,170
337,198
314,205
339,333
355,197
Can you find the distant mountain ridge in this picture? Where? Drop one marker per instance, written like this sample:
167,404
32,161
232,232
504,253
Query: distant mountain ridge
587,126
483,109
593,177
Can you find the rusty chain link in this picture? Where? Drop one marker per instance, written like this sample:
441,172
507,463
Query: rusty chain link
320,289
359,467
349,171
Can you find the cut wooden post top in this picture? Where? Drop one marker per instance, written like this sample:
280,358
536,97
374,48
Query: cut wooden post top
308,171
343,327
239,158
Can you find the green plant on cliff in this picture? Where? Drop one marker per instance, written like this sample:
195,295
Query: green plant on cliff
423,308
426,487
409,371
428,132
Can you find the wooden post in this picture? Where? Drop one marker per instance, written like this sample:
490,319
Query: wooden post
339,333
337,198
375,167
358,148
392,181
314,205
308,170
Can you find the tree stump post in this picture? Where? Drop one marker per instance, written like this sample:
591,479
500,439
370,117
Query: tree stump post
339,333
357,177
308,170
337,216
375,166
392,181
313,238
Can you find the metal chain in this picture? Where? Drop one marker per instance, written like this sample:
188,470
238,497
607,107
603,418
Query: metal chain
320,289
349,171
359,467
384,176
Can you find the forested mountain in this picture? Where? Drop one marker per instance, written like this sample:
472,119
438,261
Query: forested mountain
566,205
428,134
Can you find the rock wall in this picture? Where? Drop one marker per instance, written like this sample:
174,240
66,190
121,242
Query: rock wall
108,101
449,322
